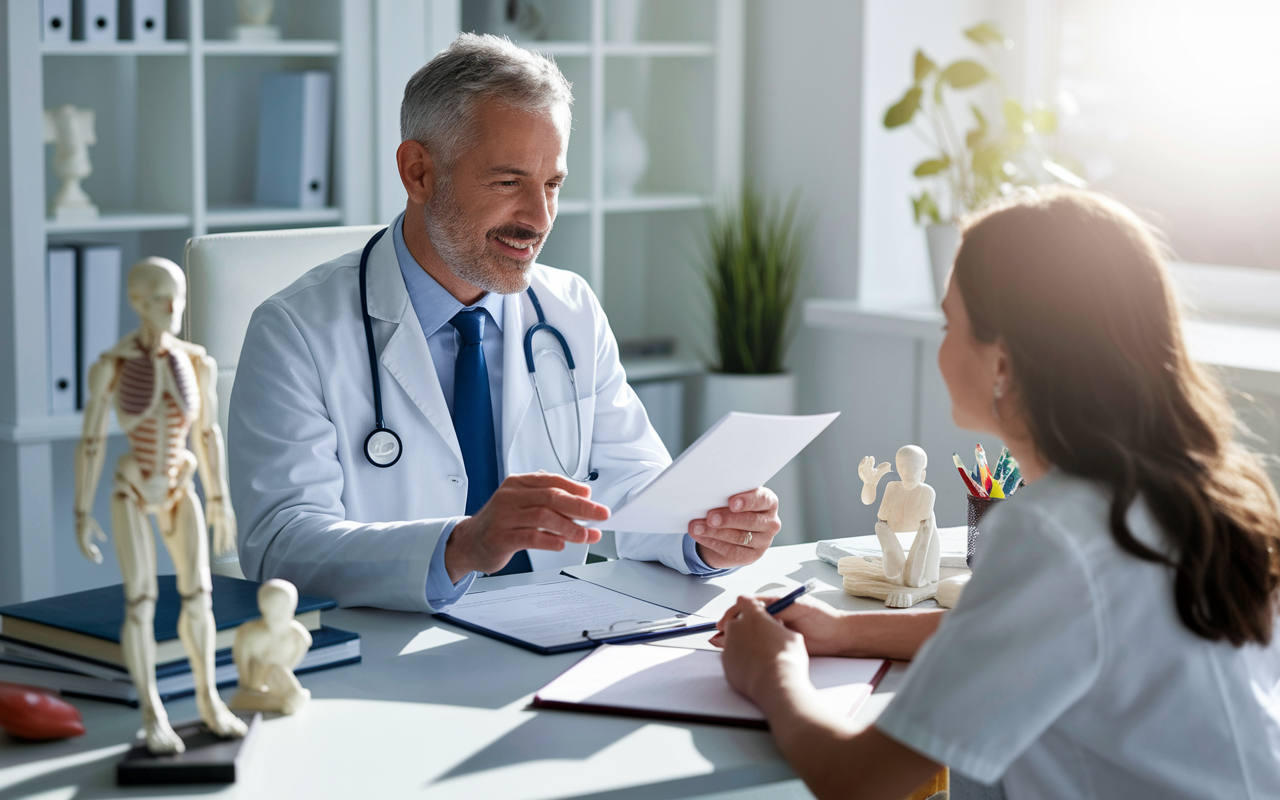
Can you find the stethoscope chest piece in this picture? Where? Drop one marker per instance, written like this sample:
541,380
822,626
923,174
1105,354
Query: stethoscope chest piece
382,447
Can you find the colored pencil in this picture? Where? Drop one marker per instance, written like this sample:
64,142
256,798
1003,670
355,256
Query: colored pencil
969,483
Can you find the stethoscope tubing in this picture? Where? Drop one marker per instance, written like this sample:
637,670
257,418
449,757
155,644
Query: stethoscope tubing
541,325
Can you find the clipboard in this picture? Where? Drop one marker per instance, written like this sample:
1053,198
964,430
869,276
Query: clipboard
532,616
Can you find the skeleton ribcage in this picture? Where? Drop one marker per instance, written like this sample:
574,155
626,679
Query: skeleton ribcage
151,445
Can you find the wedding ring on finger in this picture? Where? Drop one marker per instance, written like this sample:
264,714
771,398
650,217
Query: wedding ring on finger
746,540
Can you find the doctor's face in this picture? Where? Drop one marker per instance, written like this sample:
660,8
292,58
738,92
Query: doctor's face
491,213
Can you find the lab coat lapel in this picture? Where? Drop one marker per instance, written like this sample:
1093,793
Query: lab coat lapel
406,357
516,387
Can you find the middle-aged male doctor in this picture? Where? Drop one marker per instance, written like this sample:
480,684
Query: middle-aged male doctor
407,521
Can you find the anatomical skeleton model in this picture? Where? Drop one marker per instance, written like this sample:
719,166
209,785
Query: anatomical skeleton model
266,650
163,389
900,580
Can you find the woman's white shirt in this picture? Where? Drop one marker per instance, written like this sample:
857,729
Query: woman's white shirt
1065,670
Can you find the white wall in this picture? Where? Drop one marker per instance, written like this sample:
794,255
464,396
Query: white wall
407,33
819,77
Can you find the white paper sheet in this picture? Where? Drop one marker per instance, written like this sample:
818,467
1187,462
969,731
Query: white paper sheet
738,453
667,680
551,614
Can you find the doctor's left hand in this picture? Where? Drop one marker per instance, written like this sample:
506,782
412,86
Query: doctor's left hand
739,534
535,511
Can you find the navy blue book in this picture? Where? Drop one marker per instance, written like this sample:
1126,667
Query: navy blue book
87,624
32,665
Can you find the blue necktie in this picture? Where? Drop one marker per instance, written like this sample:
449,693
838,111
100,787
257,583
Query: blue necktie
473,420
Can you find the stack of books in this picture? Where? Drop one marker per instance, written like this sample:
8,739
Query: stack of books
72,642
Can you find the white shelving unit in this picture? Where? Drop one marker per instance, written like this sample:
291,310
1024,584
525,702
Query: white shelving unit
678,66
174,159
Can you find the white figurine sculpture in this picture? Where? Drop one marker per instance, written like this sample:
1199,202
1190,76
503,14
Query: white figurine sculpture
266,651
253,16
900,580
71,130
163,389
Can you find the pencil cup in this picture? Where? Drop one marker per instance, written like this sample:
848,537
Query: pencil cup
978,507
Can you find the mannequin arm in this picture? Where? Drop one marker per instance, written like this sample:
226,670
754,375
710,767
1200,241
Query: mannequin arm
211,458
871,475
90,453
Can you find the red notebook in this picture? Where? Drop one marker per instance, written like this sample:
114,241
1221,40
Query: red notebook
665,682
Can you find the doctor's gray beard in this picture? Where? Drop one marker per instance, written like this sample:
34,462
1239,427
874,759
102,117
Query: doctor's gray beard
465,249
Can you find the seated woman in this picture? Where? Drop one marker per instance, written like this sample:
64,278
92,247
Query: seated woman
1118,637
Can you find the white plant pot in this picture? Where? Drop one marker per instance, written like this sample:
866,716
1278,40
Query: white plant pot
761,394
944,241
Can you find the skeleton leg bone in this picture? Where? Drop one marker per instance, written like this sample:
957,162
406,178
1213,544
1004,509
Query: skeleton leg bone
184,534
136,548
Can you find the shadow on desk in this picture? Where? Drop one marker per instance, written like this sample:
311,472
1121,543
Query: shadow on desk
543,738
92,774
466,669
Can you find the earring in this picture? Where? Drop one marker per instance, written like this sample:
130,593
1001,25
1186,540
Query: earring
997,392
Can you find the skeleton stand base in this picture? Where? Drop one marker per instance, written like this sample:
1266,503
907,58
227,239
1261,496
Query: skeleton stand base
208,759
864,577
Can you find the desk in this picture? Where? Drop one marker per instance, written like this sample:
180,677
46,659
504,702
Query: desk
438,712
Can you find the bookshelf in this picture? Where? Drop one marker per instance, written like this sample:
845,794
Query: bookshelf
174,158
677,66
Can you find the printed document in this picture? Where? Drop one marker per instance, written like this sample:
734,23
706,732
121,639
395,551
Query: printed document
738,453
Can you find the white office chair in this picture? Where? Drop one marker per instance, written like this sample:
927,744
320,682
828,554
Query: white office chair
229,275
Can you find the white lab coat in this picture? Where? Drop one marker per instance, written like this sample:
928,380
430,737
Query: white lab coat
313,510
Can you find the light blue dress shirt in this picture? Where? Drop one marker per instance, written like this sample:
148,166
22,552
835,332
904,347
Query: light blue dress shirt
434,307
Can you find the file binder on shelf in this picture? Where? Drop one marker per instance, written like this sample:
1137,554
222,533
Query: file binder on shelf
294,119
98,288
55,21
93,20
62,330
142,20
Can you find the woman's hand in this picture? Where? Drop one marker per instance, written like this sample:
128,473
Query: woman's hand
817,622
762,657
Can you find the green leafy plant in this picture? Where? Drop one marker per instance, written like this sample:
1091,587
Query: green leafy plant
755,253
987,160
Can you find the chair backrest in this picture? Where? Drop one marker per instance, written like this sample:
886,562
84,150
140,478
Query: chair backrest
231,274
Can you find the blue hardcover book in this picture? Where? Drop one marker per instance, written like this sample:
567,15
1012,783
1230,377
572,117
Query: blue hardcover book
33,665
87,624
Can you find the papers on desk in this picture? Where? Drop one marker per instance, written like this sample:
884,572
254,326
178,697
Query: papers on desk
669,683
550,617
954,545
738,453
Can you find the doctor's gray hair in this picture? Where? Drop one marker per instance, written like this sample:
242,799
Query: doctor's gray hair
438,110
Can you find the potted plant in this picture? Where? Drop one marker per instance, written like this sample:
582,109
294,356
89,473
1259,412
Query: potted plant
986,161
755,253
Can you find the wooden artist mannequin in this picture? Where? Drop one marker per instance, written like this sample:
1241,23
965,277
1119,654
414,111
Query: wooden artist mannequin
266,651
901,580
162,388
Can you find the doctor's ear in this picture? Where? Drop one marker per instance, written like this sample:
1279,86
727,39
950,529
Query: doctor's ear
417,171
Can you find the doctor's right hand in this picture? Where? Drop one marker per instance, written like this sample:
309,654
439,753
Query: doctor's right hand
535,511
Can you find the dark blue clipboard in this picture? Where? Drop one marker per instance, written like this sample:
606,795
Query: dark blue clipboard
585,644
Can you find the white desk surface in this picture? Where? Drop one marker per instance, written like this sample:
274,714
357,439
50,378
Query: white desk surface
438,712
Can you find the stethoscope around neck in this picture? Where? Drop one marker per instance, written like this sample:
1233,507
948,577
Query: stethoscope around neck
382,447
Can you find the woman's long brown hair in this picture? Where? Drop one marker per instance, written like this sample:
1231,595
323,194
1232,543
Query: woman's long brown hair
1076,287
